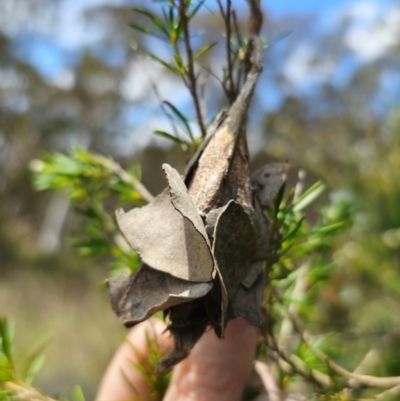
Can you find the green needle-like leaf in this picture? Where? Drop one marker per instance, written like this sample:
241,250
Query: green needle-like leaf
171,137
170,67
309,196
154,19
203,50
182,118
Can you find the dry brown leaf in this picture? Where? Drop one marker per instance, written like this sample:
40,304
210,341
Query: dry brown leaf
222,172
188,322
261,226
166,240
234,245
135,297
267,180
182,201
195,285
247,302
252,274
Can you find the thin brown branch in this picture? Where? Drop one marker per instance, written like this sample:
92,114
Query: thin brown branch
389,394
157,94
256,17
298,366
366,380
360,379
124,176
255,23
231,90
236,28
270,385
24,394
240,46
190,72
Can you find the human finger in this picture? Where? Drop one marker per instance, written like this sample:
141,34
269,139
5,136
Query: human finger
216,369
121,377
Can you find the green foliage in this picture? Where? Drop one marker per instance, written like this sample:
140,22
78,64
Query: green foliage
298,250
146,364
7,368
349,246
173,28
91,181
17,374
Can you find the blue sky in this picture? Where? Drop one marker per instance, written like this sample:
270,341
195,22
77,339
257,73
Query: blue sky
51,53
311,7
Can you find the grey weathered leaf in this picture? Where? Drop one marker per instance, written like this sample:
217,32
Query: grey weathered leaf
191,167
171,238
267,180
247,302
261,226
211,220
137,296
261,251
166,240
182,201
222,172
216,304
251,276
234,244
188,321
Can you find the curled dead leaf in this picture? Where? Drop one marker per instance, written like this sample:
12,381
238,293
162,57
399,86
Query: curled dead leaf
169,234
135,297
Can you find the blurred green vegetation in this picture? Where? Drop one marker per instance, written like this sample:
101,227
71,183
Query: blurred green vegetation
346,135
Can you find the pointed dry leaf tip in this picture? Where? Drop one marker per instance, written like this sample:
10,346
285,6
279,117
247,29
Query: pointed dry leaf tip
234,245
166,240
182,201
267,180
187,323
136,297
247,302
252,274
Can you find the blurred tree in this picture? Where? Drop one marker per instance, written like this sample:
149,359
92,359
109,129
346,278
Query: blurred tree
320,105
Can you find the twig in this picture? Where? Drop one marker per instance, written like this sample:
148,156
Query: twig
158,96
124,176
389,394
190,73
299,367
300,184
240,46
297,294
231,91
272,388
366,380
24,394
255,23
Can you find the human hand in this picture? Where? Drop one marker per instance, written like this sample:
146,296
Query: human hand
215,369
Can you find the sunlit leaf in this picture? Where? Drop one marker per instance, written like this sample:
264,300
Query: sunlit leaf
146,30
309,196
6,338
196,9
171,137
154,19
203,50
169,66
330,228
182,118
77,394
33,369
179,63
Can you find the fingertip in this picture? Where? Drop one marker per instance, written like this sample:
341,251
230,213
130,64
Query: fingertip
121,377
217,368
